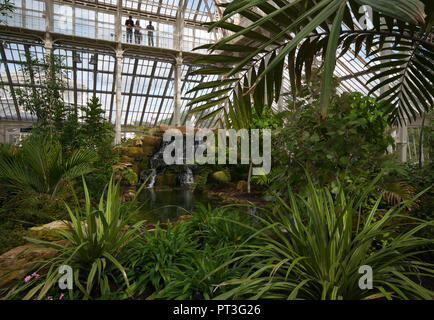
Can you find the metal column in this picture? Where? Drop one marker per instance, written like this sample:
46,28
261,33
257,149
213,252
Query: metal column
177,87
118,126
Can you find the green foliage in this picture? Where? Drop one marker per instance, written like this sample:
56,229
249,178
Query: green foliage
11,233
428,133
266,120
214,226
312,246
40,166
90,131
95,131
261,180
287,33
96,180
126,175
156,253
351,141
198,278
25,209
201,176
177,263
95,248
45,101
421,179
58,120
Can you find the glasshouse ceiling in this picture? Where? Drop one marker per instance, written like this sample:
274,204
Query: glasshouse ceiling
84,34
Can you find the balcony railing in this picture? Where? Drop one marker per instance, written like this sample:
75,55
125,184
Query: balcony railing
103,31
155,39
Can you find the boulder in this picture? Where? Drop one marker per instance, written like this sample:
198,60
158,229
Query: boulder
148,151
16,263
155,142
221,177
123,164
121,150
242,186
136,152
126,158
128,195
48,231
164,127
183,129
167,180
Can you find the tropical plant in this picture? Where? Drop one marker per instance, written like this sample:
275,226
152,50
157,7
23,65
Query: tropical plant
271,36
41,167
352,141
196,279
45,99
176,261
241,115
94,247
313,246
420,179
57,119
226,224
126,175
155,253
95,131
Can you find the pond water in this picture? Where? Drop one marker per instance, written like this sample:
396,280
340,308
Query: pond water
163,205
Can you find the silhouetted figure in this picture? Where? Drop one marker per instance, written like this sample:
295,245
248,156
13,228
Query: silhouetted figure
150,29
138,32
129,24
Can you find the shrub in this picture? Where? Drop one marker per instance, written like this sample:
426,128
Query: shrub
155,253
94,246
200,277
313,246
226,225
352,140
41,167
177,263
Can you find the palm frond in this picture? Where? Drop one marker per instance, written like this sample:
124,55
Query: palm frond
295,33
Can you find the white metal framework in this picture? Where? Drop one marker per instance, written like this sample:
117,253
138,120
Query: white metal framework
154,77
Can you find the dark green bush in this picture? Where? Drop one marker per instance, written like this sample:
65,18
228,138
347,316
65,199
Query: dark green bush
351,141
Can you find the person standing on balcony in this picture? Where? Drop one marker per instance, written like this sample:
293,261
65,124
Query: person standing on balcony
129,24
150,29
138,32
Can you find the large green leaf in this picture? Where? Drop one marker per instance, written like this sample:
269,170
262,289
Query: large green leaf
331,60
302,31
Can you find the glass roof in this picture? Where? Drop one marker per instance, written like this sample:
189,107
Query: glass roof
147,84
147,80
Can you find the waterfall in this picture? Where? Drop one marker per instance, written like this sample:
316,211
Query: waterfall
186,177
149,176
158,167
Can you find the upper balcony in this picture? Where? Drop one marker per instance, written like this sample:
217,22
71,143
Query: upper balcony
97,20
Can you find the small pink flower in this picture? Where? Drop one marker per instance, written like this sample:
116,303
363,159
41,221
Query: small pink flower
27,279
50,298
61,296
35,275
